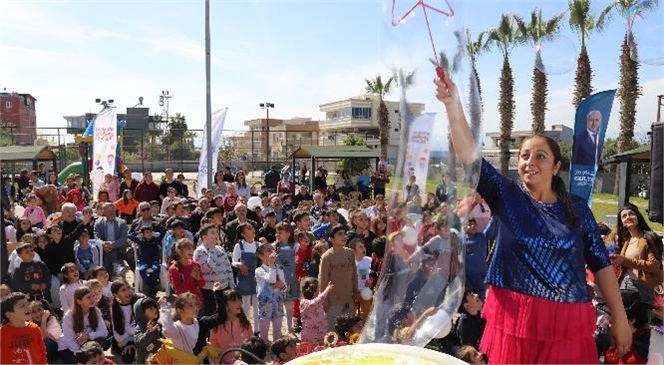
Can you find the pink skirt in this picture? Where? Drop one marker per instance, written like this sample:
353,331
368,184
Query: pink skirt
522,329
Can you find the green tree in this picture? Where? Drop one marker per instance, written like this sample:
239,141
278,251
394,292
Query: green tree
228,153
379,88
354,165
582,22
505,37
538,30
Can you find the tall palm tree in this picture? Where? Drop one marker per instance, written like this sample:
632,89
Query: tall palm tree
505,37
472,48
538,30
379,88
582,22
450,68
629,90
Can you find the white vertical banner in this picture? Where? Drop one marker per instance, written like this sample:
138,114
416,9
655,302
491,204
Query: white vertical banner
218,119
418,150
105,140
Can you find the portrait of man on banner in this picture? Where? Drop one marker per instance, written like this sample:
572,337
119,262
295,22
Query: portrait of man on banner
587,148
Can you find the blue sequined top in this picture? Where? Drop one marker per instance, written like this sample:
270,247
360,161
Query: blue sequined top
536,252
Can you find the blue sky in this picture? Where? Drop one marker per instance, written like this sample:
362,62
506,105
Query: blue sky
295,54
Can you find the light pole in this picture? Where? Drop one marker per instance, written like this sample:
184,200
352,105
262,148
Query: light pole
164,102
267,106
208,98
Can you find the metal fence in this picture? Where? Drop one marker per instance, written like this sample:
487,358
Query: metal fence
144,150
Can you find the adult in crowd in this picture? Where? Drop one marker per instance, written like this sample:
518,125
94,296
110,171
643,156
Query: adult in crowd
271,179
228,175
199,213
169,181
639,253
240,217
183,184
537,276
302,195
112,231
147,190
241,187
128,182
219,186
145,219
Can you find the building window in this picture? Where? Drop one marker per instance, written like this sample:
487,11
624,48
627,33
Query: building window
8,104
361,113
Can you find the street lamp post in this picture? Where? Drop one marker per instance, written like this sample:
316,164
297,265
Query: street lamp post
267,106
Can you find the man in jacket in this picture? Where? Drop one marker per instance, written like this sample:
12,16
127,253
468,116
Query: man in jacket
112,231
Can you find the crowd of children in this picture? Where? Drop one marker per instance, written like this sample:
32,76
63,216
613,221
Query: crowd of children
219,277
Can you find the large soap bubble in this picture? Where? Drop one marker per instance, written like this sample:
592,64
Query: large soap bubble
555,56
421,283
645,22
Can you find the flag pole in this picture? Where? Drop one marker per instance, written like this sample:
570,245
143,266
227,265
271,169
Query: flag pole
208,101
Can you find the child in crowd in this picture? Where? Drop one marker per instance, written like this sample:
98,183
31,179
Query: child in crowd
101,274
470,325
100,300
286,249
87,255
124,322
20,339
347,325
302,263
92,353
81,324
5,292
169,200
31,277
215,267
185,273
34,212
475,244
284,350
271,289
244,259
51,330
254,350
470,355
314,320
403,324
337,265
363,264
316,253
233,327
148,330
149,252
268,232
70,282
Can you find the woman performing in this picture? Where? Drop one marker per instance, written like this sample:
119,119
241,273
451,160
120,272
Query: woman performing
538,308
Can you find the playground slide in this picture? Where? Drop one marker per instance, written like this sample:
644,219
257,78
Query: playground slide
75,168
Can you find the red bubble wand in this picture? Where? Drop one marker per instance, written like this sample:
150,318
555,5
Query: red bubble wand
450,12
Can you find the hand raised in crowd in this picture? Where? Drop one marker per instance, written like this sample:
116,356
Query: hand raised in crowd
217,286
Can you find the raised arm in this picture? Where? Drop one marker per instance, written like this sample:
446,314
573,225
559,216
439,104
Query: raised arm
462,136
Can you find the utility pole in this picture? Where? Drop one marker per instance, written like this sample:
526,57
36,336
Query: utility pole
208,101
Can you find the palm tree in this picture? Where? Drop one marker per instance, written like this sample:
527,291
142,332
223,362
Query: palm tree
629,90
473,47
538,30
505,36
450,69
582,22
380,89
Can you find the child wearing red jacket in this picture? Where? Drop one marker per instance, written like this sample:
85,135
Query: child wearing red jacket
302,262
20,339
184,273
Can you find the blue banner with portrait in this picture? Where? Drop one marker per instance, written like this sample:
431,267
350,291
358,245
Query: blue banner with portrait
592,117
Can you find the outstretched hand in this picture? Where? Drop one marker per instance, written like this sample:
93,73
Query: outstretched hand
446,91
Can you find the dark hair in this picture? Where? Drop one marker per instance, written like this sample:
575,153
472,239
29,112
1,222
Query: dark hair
557,183
177,223
255,346
87,351
279,346
22,246
259,251
464,300
229,295
353,243
9,303
397,317
146,228
299,235
378,246
653,240
345,323
117,314
242,227
315,254
335,229
308,287
64,269
299,214
465,352
147,303
47,307
96,270
77,313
